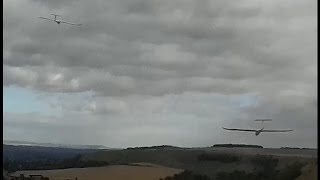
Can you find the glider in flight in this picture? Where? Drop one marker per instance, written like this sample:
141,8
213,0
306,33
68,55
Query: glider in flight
59,21
258,131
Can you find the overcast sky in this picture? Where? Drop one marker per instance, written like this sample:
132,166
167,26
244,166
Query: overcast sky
152,72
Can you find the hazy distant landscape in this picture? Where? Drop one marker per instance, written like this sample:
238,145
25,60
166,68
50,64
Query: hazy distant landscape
25,143
157,161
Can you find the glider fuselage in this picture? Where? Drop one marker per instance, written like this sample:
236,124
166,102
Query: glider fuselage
259,131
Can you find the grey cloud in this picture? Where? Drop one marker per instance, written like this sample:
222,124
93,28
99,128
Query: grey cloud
54,4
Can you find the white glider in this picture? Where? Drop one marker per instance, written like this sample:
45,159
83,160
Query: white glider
59,21
258,131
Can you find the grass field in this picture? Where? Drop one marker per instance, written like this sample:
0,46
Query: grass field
116,172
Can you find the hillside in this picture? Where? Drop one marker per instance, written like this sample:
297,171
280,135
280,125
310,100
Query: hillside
309,172
208,161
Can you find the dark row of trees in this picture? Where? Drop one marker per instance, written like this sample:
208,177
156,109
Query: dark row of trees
237,145
155,147
186,175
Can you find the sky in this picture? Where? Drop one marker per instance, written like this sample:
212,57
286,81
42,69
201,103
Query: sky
154,72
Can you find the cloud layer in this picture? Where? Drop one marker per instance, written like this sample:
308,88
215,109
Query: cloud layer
164,69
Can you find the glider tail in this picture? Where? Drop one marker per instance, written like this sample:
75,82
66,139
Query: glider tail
56,15
262,120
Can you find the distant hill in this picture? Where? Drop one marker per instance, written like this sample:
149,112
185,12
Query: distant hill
26,143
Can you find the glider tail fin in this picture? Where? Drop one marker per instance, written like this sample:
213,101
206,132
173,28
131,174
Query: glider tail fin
262,120
56,15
